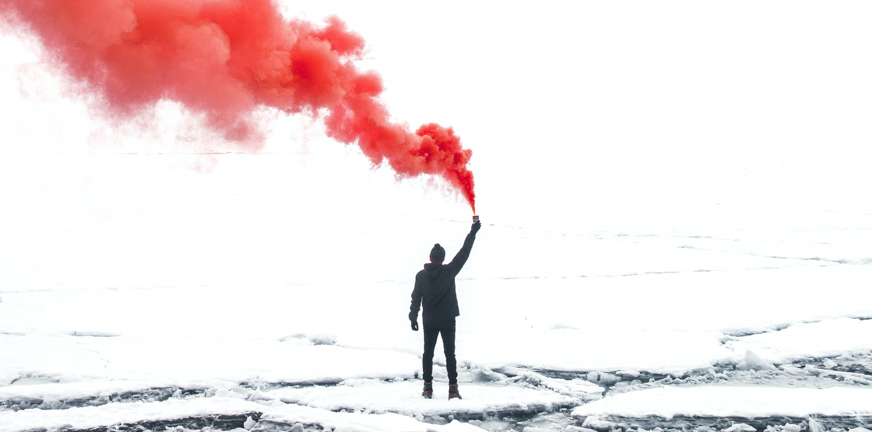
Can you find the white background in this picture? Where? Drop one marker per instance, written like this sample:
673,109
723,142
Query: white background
651,175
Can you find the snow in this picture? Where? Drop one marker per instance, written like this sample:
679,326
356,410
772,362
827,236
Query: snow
111,414
308,350
376,396
826,338
627,308
628,273
754,362
188,361
114,414
73,389
538,336
732,401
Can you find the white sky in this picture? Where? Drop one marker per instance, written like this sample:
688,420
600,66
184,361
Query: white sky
575,113
684,99
693,98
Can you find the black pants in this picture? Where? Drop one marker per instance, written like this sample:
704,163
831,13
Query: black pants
431,332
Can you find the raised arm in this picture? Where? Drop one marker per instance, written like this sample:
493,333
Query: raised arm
461,257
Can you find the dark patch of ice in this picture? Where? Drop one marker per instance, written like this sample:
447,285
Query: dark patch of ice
158,394
272,426
607,379
760,424
212,422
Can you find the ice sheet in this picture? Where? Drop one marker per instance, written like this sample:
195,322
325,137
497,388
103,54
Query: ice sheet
114,414
405,397
827,338
733,401
187,362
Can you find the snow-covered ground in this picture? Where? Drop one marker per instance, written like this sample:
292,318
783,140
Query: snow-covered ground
137,291
729,321
676,235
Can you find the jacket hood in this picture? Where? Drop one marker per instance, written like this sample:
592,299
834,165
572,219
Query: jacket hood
433,270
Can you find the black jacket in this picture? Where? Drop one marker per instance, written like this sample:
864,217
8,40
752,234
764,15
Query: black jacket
434,287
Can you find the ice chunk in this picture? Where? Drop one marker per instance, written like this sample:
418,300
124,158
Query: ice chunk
596,423
790,427
740,427
577,388
572,428
602,378
249,423
815,426
483,374
458,426
593,376
754,362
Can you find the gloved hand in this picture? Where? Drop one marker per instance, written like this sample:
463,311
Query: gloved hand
475,227
415,325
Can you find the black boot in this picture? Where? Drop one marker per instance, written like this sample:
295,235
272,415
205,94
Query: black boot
453,392
428,390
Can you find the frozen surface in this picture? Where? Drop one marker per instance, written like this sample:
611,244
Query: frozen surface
655,323
114,414
827,338
91,417
732,401
190,361
399,398
703,262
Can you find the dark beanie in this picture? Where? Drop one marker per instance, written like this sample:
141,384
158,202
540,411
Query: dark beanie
437,253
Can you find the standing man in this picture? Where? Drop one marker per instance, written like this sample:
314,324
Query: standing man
435,289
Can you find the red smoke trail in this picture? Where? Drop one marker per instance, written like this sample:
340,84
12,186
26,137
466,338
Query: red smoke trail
224,59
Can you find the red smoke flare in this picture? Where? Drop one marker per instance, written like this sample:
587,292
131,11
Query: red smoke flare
223,59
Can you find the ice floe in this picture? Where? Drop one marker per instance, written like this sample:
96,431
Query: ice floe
732,401
140,412
405,397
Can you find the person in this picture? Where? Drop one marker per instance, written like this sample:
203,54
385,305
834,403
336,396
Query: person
435,290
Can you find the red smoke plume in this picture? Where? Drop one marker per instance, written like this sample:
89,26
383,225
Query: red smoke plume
224,59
